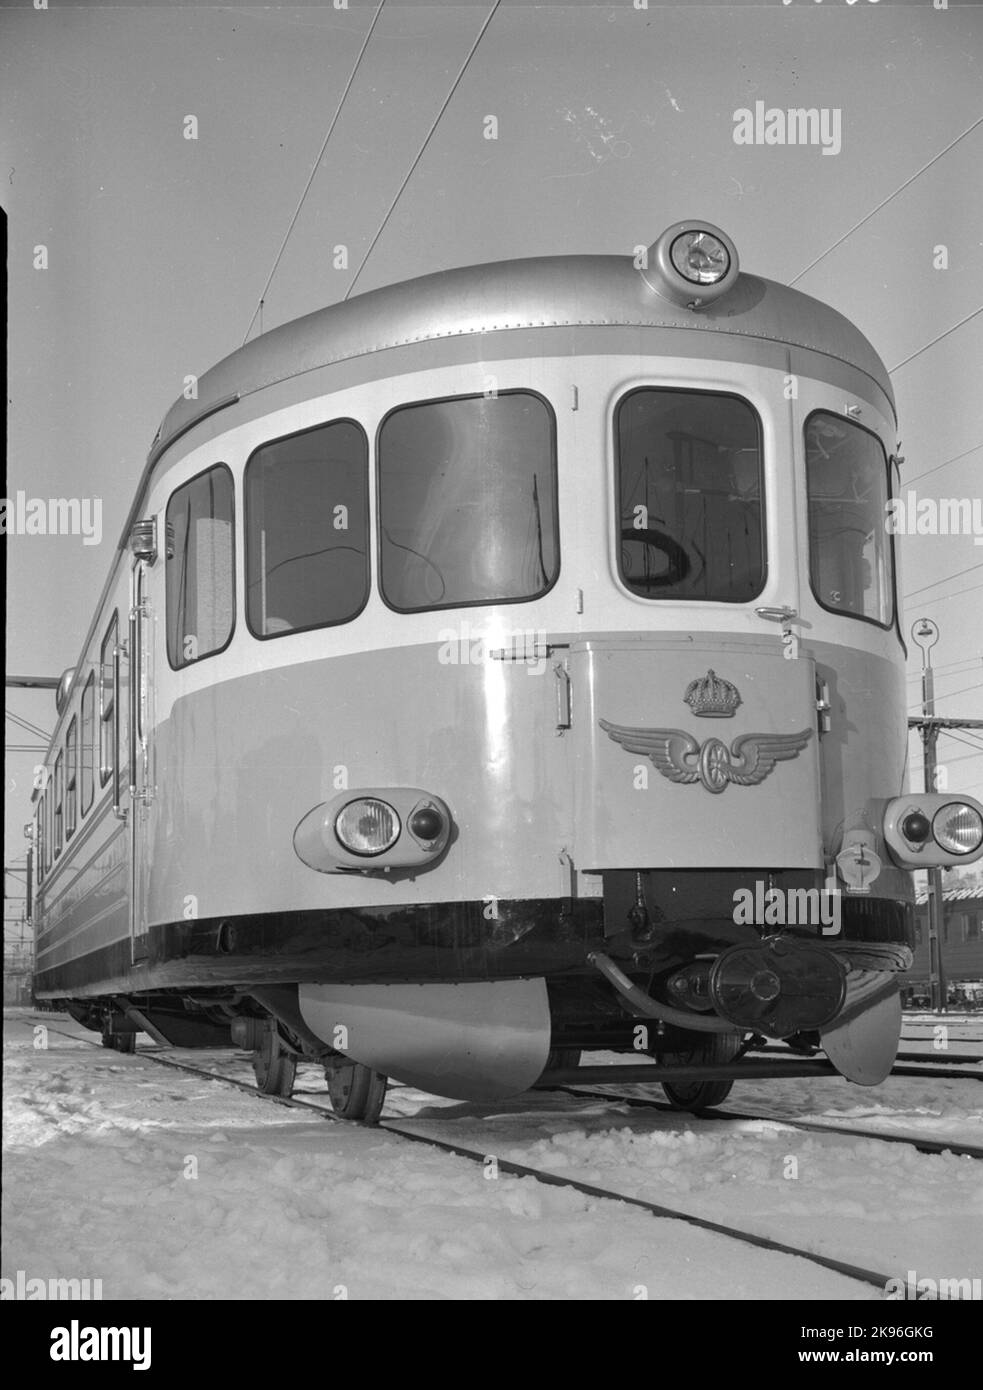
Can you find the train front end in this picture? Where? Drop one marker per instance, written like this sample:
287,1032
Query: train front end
714,754
566,706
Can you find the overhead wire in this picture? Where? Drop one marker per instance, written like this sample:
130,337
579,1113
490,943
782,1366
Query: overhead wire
422,150
936,582
911,356
938,466
884,202
307,187
941,598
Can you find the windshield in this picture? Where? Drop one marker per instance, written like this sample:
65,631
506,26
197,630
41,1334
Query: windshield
690,495
850,554
467,502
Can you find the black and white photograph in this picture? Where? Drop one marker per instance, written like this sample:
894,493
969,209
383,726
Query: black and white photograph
493,533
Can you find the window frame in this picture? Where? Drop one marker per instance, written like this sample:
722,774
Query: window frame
233,557
85,804
282,439
554,459
58,805
71,777
107,769
41,841
895,619
669,389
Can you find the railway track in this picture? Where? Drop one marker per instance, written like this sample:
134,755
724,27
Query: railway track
928,1146
872,1278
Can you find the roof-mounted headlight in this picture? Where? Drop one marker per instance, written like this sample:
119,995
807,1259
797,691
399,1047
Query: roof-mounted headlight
692,263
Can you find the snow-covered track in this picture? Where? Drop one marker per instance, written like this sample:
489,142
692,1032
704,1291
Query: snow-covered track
873,1278
867,1276
928,1146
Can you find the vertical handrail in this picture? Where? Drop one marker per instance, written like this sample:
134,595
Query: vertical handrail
134,699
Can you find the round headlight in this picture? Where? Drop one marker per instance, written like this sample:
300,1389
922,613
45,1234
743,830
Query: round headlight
367,826
700,257
958,828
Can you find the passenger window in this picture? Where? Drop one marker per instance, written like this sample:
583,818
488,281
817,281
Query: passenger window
40,838
467,502
59,796
87,750
71,777
691,496
200,574
307,553
851,559
107,751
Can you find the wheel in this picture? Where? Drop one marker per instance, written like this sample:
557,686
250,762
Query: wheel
357,1092
696,1096
119,1042
566,1057
273,1066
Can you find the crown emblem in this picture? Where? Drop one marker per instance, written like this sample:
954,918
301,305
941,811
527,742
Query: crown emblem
711,697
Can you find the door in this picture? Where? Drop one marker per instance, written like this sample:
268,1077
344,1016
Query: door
140,751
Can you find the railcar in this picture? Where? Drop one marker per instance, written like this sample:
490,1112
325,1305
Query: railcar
502,664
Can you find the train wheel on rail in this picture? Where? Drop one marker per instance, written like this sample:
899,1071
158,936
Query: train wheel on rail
274,1067
357,1092
697,1096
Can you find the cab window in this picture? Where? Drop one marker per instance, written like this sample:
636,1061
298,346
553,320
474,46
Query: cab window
467,502
851,559
307,545
690,496
200,567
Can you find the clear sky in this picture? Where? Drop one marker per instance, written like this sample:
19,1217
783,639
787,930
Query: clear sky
613,122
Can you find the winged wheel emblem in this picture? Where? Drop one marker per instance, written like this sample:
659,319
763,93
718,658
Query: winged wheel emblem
682,758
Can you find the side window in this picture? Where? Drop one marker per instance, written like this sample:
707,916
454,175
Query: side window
851,560
307,552
467,502
200,575
690,496
58,785
71,778
107,750
87,749
40,839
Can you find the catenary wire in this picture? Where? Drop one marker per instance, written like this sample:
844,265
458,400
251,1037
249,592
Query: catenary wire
857,225
422,150
317,162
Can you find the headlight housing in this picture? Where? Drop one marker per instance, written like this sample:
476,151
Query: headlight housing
374,830
700,257
691,264
367,826
958,828
927,830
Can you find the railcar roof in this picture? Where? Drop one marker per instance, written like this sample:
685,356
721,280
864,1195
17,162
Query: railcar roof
539,292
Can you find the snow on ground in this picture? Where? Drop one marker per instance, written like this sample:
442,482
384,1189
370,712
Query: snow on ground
99,1149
